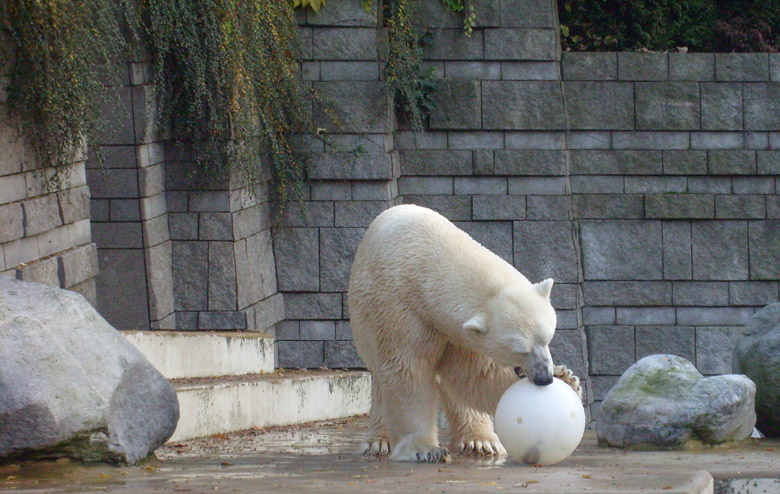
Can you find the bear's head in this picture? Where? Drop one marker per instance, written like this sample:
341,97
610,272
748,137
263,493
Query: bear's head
515,328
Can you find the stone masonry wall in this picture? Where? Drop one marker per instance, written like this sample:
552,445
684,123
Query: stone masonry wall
44,233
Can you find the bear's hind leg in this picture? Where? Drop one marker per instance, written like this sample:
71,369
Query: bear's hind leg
376,443
471,431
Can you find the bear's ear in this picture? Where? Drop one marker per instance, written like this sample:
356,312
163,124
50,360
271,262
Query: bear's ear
545,287
476,323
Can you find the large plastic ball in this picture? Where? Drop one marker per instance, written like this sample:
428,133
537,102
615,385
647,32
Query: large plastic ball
540,424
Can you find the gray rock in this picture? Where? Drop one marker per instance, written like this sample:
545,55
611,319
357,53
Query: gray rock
71,385
757,355
663,401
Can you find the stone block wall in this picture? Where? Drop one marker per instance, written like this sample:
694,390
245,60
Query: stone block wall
45,233
674,182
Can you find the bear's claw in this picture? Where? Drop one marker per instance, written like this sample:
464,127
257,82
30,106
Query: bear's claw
566,375
481,448
375,446
434,456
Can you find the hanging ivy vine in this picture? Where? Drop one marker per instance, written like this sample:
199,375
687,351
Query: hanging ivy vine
60,51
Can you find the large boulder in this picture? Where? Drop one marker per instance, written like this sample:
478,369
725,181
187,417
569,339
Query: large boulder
71,385
757,355
663,401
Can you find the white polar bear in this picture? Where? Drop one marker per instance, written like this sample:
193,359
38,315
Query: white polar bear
434,314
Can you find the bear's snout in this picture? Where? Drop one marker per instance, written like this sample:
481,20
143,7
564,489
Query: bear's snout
541,375
544,380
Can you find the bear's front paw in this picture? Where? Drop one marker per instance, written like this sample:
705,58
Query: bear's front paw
376,446
479,447
407,450
566,375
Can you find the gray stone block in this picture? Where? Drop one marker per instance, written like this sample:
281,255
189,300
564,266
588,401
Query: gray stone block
522,105
317,330
347,166
342,354
297,259
520,44
331,191
714,348
12,219
545,249
454,208
74,204
288,330
565,296
753,293
720,250
588,140
677,250
12,188
535,140
667,105
601,386
732,162
643,66
691,66
633,252
454,44
88,290
222,320
358,213
337,251
773,207
480,185
674,340
709,185
344,44
600,105
599,316
209,201
251,220
407,139
343,330
496,236
437,15
425,185
717,140
764,250
308,214
684,162
215,226
768,162
56,240
621,293
176,201
721,106
159,282
222,277
714,316
125,210
478,70
589,66
762,106
43,271
458,104
753,185
774,67
374,191
313,305
39,215
741,66
186,320
756,140
183,226
740,207
624,162
255,269
269,312
567,348
436,162
700,293
117,235
530,71
20,251
190,263
549,207
651,140
113,183
645,316
353,106
655,185
499,207
568,319
155,231
310,71
77,265
476,140
537,185
594,184
530,162
679,206
344,13
608,206
118,101
121,280
527,13
610,349
294,354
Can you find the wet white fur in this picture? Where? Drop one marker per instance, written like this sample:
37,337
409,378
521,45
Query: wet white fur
438,318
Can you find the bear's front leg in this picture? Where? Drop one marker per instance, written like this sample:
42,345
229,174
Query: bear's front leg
471,431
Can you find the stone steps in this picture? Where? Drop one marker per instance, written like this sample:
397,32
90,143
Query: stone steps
227,404
226,382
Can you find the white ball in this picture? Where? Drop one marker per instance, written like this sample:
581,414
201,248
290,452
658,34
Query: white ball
540,424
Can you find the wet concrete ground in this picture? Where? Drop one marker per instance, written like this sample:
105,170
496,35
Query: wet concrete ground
320,458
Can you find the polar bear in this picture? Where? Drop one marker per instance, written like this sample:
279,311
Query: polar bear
435,315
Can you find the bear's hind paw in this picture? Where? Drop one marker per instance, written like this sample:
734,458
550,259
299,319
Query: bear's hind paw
375,447
405,452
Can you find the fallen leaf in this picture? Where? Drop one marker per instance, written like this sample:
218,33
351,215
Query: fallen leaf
587,476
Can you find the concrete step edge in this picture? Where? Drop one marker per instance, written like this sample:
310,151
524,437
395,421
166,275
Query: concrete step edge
183,354
229,404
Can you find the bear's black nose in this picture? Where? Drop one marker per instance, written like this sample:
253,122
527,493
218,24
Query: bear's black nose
543,380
